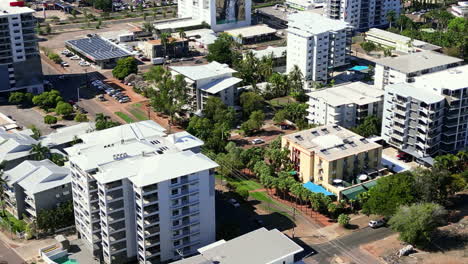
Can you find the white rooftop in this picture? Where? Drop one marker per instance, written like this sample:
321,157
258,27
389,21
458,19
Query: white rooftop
351,93
410,90
399,38
14,145
139,151
261,246
180,23
67,134
452,79
6,9
211,70
311,24
418,61
220,85
251,31
38,176
276,52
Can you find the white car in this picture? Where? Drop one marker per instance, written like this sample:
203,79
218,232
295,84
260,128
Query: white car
76,57
64,64
65,52
377,223
257,141
234,203
84,63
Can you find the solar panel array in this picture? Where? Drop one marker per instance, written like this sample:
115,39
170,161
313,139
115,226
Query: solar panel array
98,48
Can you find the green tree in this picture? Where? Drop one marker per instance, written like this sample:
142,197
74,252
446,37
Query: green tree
390,193
182,35
165,39
368,46
371,126
416,223
251,156
223,50
104,5
54,57
81,118
254,123
343,220
48,119
64,109
3,183
279,85
48,29
277,156
104,122
125,67
99,24
73,13
296,84
280,116
39,152
48,99
58,159
16,98
250,102
36,132
390,16
148,27
435,185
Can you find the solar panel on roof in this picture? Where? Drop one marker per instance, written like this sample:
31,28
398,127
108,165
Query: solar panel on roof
98,48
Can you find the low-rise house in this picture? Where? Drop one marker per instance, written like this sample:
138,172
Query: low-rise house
33,186
398,42
261,246
333,157
345,105
460,9
175,48
213,79
14,148
67,136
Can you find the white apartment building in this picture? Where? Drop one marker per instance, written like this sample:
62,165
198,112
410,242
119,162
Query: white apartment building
20,63
220,15
142,195
460,10
261,246
398,42
213,79
33,186
345,105
304,5
428,117
362,14
317,45
404,68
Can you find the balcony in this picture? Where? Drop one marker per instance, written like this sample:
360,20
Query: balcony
152,231
186,232
116,237
93,197
113,185
149,210
31,211
114,206
113,195
115,216
116,227
118,246
150,199
152,251
186,202
152,241
184,193
184,182
150,188
149,221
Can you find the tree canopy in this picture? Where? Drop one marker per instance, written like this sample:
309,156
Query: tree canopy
47,100
370,127
125,67
250,102
223,50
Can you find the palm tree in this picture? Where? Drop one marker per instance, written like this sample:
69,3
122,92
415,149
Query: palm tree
164,40
100,117
148,27
182,35
390,17
40,152
3,183
296,80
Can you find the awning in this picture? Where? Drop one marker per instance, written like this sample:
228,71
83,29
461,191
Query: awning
353,192
369,184
316,188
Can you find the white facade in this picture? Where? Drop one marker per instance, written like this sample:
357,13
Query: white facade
304,4
213,79
404,68
20,66
134,201
316,45
237,12
362,14
428,117
398,42
460,10
344,105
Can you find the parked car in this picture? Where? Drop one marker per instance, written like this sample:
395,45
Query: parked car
64,64
234,203
186,59
70,54
198,62
257,141
76,57
377,223
101,98
109,91
124,100
84,63
403,156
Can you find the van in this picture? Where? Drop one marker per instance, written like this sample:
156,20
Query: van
158,61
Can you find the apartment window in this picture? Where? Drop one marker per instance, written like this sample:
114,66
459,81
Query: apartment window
175,223
175,212
174,181
16,31
176,243
175,191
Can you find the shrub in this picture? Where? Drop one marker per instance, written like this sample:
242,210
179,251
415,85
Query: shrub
243,193
48,119
63,108
81,118
343,220
54,57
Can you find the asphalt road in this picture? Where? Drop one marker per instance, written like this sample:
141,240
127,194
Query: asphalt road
8,256
348,246
26,118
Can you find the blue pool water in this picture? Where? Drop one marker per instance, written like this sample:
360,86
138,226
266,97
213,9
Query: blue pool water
65,260
359,68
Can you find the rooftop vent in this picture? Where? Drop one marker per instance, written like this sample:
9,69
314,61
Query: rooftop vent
299,137
364,140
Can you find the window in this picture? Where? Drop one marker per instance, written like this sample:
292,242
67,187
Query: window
174,181
175,191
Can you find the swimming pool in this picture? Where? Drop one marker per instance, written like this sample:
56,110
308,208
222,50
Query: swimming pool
358,68
65,260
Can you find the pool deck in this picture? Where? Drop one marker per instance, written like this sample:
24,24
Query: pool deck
80,253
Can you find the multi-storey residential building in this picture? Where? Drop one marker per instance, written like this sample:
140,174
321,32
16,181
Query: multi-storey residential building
140,194
362,14
14,148
213,79
460,10
333,157
33,186
317,45
398,42
220,15
304,5
345,105
20,63
261,246
428,117
404,68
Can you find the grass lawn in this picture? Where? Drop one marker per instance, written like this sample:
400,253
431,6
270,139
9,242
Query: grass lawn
139,114
125,117
281,101
247,184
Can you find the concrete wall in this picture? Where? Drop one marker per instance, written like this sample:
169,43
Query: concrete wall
49,199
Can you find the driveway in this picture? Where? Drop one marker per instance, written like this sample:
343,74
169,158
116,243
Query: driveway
8,256
26,117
